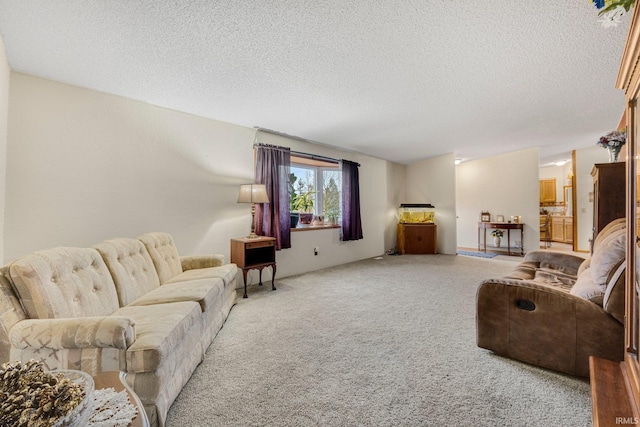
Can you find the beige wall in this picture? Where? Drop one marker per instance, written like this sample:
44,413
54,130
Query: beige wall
396,194
506,184
434,181
4,107
85,166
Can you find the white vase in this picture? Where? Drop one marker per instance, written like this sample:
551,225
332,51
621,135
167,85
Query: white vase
496,241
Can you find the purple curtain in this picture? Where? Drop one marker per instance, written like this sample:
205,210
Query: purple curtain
272,169
351,221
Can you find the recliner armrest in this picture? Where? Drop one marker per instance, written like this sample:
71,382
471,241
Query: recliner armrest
201,261
72,333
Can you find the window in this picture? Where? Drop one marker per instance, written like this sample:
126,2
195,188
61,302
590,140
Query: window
320,186
314,187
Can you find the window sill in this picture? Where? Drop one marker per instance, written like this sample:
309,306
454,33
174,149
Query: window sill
314,227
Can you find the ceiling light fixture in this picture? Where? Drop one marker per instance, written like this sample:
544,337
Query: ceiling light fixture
561,163
457,161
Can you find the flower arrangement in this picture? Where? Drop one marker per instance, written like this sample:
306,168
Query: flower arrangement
613,140
497,233
612,11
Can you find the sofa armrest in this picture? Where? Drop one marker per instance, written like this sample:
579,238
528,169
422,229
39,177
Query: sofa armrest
563,262
545,326
201,261
73,333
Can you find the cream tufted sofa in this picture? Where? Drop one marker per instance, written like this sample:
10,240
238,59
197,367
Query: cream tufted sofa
132,305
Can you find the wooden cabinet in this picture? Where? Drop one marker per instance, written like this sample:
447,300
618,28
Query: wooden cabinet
250,254
562,229
568,230
548,190
417,238
557,229
608,194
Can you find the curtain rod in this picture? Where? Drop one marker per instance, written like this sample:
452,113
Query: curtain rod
300,153
307,155
312,156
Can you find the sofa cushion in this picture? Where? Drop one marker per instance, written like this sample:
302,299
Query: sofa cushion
131,267
164,254
204,292
64,282
586,288
616,224
608,254
159,331
555,278
586,264
523,271
225,272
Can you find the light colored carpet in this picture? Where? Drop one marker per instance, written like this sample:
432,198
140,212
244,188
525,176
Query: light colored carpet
387,342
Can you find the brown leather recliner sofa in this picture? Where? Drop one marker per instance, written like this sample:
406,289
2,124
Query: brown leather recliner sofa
556,309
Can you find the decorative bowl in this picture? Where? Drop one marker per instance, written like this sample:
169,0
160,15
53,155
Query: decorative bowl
79,416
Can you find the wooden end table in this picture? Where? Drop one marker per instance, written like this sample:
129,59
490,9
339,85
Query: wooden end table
250,254
117,380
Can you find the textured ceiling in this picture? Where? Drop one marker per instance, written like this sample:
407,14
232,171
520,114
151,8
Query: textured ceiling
401,80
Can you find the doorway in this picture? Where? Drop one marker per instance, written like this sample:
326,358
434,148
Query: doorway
557,204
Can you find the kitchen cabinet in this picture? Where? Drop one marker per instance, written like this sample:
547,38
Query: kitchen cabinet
562,229
548,190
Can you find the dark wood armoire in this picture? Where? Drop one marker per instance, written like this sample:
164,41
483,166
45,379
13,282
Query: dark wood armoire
609,180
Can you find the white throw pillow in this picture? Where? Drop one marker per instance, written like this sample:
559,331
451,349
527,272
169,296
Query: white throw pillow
587,289
608,254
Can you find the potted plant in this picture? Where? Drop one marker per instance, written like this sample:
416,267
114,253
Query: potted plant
301,202
304,206
293,197
497,236
332,216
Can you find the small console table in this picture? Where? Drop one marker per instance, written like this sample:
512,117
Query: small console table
482,235
250,254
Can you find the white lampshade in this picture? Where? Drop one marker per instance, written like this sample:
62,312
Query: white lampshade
253,193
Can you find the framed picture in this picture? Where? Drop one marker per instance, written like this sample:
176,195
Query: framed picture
499,218
485,217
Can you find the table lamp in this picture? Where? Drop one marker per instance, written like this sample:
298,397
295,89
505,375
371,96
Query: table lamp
253,193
